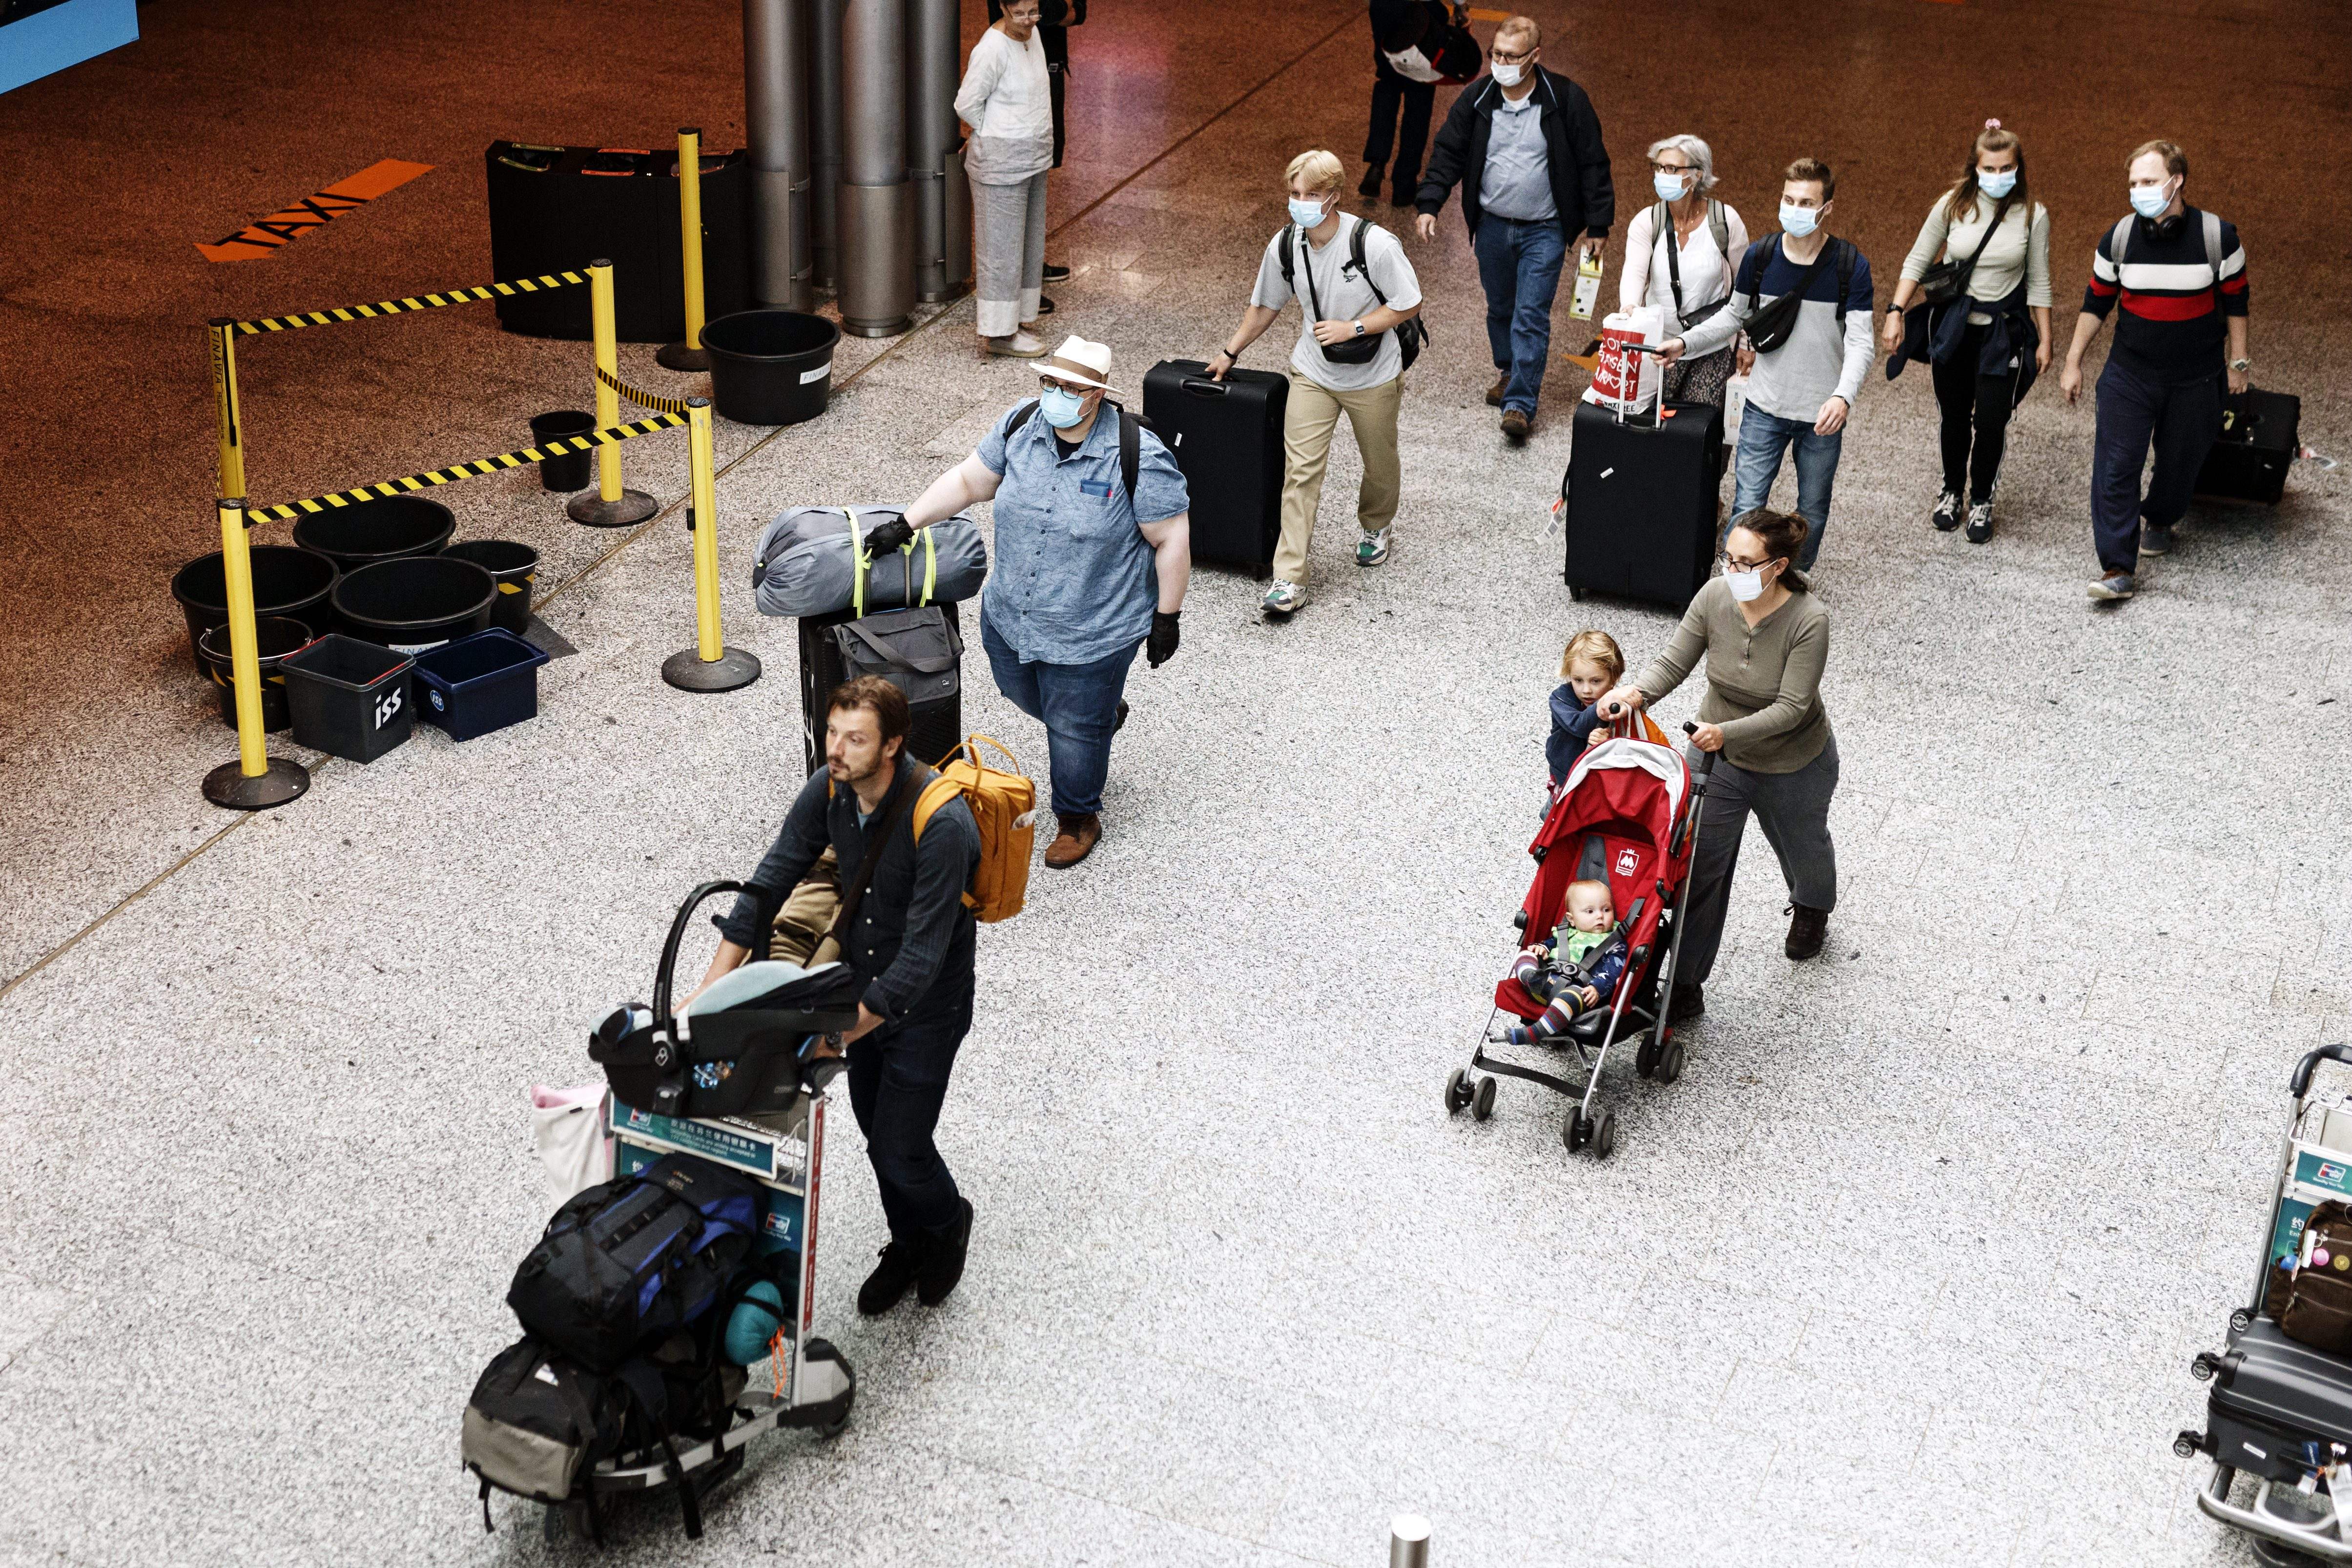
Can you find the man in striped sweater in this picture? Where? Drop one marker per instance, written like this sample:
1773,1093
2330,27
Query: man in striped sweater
2180,275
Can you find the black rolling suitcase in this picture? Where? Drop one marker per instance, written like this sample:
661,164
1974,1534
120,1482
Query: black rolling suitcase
1641,497
920,651
2258,442
1226,436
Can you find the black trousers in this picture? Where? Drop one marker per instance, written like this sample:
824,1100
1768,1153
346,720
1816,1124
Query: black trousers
1401,109
897,1082
1976,411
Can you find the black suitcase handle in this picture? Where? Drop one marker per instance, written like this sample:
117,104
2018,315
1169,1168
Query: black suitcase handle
1204,386
2303,1068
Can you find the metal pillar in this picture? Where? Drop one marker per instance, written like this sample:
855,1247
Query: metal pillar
934,31
825,140
1409,1541
775,108
876,205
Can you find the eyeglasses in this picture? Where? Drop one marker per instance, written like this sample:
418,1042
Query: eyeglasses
1500,58
1673,168
1047,383
1723,558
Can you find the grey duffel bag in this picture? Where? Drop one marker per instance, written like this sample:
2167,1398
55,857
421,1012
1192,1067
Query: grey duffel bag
808,562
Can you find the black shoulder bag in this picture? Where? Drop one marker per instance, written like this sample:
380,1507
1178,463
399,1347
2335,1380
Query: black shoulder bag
1948,279
1770,327
1411,334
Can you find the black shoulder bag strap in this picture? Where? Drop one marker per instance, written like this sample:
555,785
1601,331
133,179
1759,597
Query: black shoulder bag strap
841,917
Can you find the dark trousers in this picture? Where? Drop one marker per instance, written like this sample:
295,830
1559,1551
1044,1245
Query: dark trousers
1793,809
1400,119
1974,406
2181,421
898,1081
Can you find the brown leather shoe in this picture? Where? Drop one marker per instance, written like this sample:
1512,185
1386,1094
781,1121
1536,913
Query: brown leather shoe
1495,393
1076,840
1515,427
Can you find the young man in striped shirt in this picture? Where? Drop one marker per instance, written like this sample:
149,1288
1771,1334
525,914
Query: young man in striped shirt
2180,275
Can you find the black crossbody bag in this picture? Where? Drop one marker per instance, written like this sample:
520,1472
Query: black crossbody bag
1411,334
1948,279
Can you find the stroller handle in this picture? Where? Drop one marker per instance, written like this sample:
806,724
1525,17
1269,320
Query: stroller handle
2303,1068
1706,758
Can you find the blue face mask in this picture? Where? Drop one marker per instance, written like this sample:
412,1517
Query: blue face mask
1668,187
1800,221
1061,407
1306,214
1996,185
2149,201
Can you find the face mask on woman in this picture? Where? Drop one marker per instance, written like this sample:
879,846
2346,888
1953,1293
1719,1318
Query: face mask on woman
1746,587
1800,221
1061,407
1306,214
1670,187
1996,185
2149,201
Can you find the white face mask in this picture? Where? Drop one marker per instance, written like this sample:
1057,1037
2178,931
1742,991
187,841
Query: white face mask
1746,587
1507,76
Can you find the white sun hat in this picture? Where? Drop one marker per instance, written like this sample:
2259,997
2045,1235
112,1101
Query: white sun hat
1080,363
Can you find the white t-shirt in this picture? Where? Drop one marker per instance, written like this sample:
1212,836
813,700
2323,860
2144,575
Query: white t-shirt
1706,271
1007,99
1344,295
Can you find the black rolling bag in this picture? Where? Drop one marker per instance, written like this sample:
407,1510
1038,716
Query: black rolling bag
920,651
1226,436
2258,443
1641,502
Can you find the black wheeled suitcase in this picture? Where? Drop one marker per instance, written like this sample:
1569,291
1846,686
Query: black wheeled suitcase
920,651
2258,443
1641,502
1226,436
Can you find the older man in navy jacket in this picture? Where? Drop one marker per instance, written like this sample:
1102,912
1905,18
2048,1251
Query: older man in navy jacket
1525,146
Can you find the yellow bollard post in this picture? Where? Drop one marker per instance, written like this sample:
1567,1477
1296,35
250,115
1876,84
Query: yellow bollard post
221,329
611,506
687,354
256,780
709,664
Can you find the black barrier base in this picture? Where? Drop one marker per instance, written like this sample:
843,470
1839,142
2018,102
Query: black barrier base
634,507
688,672
282,781
678,356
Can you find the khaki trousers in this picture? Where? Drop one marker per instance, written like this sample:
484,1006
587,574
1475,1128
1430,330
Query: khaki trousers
1308,418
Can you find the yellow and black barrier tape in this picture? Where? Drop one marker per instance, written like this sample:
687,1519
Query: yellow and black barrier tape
642,399
413,303
610,436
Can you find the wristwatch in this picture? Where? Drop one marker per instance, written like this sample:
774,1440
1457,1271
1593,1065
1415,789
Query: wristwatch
1360,329
2242,365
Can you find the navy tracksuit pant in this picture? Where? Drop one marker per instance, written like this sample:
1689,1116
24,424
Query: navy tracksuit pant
2182,420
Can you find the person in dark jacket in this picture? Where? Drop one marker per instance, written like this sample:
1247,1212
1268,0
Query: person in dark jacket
1525,146
1401,107
909,940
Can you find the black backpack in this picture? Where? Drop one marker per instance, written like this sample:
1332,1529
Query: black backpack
627,1260
1130,439
1411,334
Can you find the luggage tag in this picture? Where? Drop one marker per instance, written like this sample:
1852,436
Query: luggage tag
1554,519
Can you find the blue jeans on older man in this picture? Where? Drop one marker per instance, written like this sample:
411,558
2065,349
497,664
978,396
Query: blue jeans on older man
1518,265
1763,438
1078,705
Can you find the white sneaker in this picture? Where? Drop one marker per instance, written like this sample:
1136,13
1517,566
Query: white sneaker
1284,598
1020,345
1372,549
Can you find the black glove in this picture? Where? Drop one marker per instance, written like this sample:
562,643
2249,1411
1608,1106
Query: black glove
1160,647
891,535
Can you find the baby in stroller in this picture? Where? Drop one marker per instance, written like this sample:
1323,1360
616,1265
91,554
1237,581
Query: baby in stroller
1573,970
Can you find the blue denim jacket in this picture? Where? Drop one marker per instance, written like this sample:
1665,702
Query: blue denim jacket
1073,579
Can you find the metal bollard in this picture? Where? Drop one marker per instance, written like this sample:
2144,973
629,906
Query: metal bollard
611,506
687,354
709,664
1408,1541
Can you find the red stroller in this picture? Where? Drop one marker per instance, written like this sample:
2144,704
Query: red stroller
1627,814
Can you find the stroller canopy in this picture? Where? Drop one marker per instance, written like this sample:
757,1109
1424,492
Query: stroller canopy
1614,822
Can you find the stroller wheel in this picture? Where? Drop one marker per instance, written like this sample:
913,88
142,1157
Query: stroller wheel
1571,1132
1457,1094
1645,1058
1670,1065
1604,1137
1483,1105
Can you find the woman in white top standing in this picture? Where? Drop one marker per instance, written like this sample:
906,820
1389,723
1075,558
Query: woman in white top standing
1986,345
1007,99
1680,254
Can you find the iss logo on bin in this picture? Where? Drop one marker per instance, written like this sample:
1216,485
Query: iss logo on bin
387,707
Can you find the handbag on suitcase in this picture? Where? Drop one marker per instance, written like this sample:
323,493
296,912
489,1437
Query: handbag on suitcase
2258,443
1226,438
1640,497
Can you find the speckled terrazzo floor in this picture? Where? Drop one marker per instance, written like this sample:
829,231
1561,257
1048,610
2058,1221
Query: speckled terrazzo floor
1906,1269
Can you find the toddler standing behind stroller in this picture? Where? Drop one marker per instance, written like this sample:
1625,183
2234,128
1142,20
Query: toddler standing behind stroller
1576,968
1589,666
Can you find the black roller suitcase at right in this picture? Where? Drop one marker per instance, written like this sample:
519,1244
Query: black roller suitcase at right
1641,502
1226,436
2257,445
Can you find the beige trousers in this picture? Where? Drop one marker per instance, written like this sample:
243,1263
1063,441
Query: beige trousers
1308,418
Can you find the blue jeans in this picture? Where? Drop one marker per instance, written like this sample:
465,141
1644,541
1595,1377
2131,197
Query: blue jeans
1518,265
1763,437
2182,422
898,1081
1078,705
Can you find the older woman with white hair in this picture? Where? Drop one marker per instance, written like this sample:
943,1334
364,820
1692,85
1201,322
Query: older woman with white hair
1680,254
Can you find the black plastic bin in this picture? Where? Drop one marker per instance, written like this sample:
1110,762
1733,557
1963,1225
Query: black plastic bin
477,684
273,637
349,698
285,582
513,567
770,367
368,532
415,604
572,470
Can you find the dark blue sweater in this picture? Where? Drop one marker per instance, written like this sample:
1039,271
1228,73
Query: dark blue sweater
1571,727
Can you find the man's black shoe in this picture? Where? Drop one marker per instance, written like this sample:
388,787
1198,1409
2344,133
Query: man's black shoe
1807,928
1119,720
1369,186
901,1262
1689,1001
1055,274
944,1259
1044,306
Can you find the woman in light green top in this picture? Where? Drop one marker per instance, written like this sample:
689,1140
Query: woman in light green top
1766,639
1986,346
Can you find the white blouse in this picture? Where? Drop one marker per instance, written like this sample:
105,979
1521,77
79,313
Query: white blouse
1706,271
1007,101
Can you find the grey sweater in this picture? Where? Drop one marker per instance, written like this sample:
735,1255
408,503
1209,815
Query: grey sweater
1763,682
